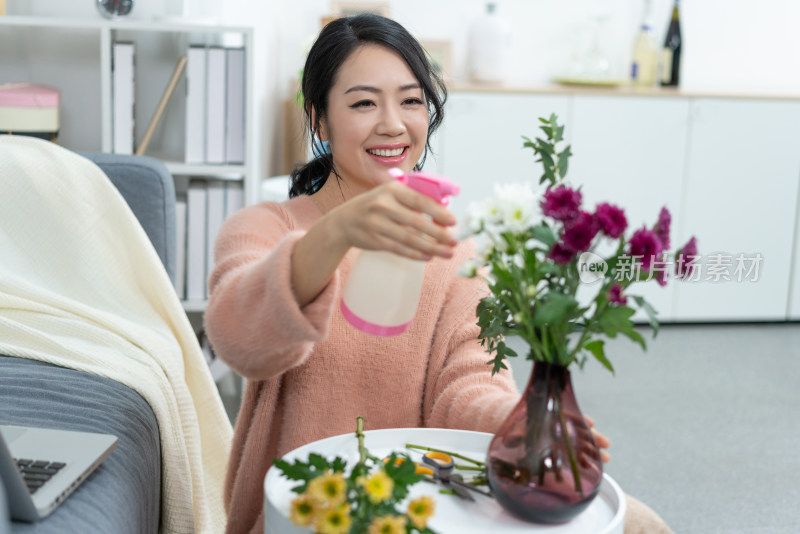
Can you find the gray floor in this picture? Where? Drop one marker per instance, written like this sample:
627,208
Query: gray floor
704,425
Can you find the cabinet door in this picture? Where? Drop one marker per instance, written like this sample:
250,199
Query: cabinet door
794,284
480,143
630,152
741,198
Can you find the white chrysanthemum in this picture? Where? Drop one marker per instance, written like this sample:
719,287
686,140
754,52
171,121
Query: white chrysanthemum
484,246
468,269
481,214
516,204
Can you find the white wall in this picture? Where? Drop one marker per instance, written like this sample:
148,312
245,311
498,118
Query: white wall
728,44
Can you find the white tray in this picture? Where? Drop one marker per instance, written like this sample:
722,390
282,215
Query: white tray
605,515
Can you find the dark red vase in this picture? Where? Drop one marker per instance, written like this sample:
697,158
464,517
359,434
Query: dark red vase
543,464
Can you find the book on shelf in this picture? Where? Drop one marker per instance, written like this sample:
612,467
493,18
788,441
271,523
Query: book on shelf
215,105
215,215
196,226
180,246
234,108
196,58
207,204
123,73
234,197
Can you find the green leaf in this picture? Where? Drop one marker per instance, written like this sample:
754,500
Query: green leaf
318,461
303,471
614,320
650,311
633,335
497,364
563,161
544,234
338,465
554,308
546,148
547,160
598,351
558,132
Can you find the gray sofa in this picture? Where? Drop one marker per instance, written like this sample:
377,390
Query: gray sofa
124,494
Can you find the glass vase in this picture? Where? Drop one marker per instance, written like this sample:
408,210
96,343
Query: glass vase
543,464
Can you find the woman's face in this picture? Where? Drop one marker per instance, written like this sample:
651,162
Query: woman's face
377,116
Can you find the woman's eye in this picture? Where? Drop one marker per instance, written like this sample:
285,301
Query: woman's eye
362,104
413,100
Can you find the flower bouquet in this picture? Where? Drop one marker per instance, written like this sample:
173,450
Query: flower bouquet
535,254
366,500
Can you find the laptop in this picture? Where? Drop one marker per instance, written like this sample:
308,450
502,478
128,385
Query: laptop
40,467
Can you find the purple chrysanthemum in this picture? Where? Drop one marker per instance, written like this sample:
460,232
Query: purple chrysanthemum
561,254
611,220
579,232
662,227
615,295
684,261
645,244
561,203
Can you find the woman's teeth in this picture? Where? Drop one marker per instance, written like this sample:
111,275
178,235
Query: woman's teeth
386,153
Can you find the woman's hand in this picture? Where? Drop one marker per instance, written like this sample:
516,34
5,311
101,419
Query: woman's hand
599,439
395,218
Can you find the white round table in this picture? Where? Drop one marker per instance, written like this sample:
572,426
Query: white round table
605,515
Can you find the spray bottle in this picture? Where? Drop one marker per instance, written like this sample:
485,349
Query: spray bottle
381,294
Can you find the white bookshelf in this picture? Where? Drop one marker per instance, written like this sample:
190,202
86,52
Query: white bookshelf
74,55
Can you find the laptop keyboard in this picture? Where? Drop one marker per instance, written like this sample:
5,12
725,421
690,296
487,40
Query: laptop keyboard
37,472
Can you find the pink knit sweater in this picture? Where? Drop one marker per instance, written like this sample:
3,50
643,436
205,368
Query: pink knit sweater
310,374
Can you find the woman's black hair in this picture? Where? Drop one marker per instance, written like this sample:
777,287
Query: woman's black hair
337,40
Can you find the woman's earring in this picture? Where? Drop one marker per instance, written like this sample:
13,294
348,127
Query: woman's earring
321,148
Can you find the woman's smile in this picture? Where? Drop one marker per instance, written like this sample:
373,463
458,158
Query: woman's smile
390,155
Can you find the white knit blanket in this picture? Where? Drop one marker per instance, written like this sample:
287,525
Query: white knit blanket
82,287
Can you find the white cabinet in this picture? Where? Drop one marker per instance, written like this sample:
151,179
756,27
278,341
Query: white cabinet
741,199
75,57
728,169
630,152
480,142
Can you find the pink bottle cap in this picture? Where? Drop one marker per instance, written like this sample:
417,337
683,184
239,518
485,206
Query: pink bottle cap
437,187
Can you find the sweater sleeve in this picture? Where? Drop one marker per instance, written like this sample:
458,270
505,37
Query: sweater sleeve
253,320
462,393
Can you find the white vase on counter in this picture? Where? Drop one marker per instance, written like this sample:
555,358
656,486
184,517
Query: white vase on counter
489,47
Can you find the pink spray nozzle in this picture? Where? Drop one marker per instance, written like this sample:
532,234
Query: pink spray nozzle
437,187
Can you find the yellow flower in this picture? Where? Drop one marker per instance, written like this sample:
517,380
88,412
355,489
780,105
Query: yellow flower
303,510
420,510
329,488
378,487
388,524
334,521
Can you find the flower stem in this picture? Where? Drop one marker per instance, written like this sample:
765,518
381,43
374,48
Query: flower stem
362,450
573,461
453,454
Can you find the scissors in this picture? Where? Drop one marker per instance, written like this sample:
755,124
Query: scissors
442,465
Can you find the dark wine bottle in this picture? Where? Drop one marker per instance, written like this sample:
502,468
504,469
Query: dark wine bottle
671,53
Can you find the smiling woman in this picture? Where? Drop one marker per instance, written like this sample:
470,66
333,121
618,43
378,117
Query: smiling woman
274,314
376,119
